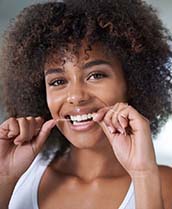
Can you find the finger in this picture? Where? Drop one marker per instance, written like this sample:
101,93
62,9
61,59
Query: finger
130,113
118,120
29,128
9,129
111,113
106,114
24,131
34,126
99,116
112,118
123,121
135,120
107,130
116,123
38,124
108,117
43,135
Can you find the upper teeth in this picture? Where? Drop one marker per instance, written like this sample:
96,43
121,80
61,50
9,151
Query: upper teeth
79,118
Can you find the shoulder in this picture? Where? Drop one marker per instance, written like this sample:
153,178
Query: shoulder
166,176
166,184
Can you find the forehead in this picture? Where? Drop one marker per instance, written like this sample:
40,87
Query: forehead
78,57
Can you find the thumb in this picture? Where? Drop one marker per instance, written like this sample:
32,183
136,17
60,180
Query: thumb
108,130
43,135
100,114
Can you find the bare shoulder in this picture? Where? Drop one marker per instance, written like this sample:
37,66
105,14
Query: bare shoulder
166,182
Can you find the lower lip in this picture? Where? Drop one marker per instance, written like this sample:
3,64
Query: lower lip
83,126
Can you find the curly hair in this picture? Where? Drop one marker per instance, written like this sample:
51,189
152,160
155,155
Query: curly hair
130,30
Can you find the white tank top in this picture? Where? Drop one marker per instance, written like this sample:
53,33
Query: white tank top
25,194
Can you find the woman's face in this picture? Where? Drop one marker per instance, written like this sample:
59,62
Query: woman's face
80,87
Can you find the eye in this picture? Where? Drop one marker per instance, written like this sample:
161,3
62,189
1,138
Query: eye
57,82
96,76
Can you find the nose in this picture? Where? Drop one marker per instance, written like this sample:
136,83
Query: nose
77,95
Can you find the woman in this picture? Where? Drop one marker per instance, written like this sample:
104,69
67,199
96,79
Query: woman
95,73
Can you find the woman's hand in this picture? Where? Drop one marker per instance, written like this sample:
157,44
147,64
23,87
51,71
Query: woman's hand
129,134
21,139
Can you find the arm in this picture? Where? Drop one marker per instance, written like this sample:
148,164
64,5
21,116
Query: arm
130,137
20,142
166,185
148,190
6,188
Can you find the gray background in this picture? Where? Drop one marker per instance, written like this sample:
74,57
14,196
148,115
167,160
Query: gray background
163,145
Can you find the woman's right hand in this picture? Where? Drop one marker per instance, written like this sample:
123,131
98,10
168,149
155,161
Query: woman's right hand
21,139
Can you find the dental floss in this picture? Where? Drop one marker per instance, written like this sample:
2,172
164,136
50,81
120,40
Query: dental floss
65,119
94,115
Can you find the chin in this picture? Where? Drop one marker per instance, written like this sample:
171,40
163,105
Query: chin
85,140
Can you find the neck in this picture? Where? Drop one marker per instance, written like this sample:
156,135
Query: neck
91,164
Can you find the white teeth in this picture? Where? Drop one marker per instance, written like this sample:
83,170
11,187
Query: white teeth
90,115
74,122
72,117
79,118
84,117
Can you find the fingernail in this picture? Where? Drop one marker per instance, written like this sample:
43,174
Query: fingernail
121,130
10,135
52,124
123,116
95,115
111,130
18,142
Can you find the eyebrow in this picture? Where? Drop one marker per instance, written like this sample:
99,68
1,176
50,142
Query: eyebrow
54,71
85,66
96,62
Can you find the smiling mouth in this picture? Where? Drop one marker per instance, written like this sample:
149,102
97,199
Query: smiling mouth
78,119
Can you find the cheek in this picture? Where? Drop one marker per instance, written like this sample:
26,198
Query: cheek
112,92
54,103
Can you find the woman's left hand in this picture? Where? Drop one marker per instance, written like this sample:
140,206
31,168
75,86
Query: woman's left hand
129,134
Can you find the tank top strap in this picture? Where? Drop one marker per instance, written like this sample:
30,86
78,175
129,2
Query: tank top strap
129,200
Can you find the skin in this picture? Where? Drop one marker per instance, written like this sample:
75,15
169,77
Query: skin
104,157
83,93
